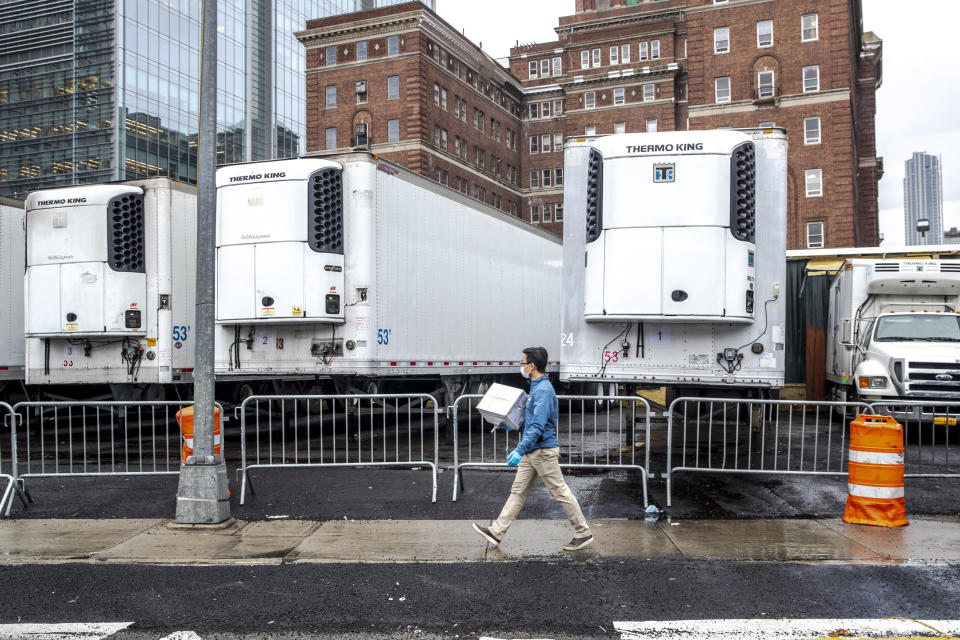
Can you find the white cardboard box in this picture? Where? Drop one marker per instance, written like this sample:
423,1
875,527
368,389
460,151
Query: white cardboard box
503,404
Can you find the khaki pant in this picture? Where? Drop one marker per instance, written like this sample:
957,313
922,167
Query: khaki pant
546,464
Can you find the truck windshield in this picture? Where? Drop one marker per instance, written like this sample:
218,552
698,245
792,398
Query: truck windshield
925,328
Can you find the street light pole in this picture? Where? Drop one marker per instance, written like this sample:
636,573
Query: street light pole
203,497
923,225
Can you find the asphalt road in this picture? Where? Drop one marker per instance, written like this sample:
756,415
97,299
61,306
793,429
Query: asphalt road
522,600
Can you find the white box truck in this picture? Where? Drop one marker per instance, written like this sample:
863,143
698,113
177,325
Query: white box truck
893,330
673,259
12,243
110,287
357,272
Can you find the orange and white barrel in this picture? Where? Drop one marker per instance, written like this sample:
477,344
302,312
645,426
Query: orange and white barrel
185,420
875,465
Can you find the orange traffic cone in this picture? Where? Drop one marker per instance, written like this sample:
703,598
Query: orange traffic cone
876,473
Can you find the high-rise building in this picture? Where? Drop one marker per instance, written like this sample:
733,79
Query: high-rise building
436,103
923,198
97,90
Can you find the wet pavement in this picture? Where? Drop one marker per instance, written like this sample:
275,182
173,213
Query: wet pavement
147,541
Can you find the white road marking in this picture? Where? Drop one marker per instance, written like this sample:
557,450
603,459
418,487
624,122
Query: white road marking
182,635
69,631
783,629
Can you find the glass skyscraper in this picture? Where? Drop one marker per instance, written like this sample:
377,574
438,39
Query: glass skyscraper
99,90
923,198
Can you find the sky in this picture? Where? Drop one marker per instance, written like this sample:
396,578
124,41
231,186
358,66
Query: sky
915,103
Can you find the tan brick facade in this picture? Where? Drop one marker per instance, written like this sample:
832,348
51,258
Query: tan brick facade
616,68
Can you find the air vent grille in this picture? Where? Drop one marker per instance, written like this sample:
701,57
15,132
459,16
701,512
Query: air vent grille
594,196
743,200
949,267
886,267
325,199
125,226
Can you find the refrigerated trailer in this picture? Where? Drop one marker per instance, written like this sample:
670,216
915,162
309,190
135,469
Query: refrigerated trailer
11,291
354,272
894,330
674,259
110,288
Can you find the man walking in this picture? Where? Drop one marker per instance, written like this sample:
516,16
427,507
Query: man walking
538,454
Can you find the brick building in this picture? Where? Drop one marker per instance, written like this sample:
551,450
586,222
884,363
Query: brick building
617,66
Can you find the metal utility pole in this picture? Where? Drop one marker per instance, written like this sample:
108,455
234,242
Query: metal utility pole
203,497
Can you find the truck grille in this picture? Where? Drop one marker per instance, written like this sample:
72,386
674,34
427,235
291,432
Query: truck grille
743,182
933,378
325,219
125,242
594,196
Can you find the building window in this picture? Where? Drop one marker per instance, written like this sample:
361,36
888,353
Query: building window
809,27
544,68
533,110
649,92
532,69
534,178
331,101
589,100
361,50
393,45
619,127
767,125
651,125
596,57
590,130
614,55
436,135
765,33
558,141
443,98
618,95
393,87
330,56
545,143
558,212
721,40
625,53
443,139
814,235
557,108
558,66
546,212
535,214
811,130
544,109
584,59
721,89
765,87
655,49
393,130
558,177
644,51
534,144
331,138
547,178
362,92
811,78
814,180
436,94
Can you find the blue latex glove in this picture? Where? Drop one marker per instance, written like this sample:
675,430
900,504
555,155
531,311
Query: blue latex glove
513,458
504,426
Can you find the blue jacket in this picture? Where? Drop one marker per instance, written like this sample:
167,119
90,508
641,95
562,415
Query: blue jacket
540,418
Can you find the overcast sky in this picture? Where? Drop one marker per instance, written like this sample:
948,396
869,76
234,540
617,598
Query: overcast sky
921,66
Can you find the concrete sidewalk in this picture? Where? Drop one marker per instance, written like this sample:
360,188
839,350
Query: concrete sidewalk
154,541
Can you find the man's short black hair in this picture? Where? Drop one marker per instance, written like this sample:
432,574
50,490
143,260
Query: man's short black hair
538,356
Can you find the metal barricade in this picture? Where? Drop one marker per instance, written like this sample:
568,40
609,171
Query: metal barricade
783,437
595,432
8,462
58,439
931,436
288,432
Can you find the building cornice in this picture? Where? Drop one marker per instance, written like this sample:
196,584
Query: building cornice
621,20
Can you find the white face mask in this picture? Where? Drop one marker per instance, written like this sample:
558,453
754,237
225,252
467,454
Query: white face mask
523,371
